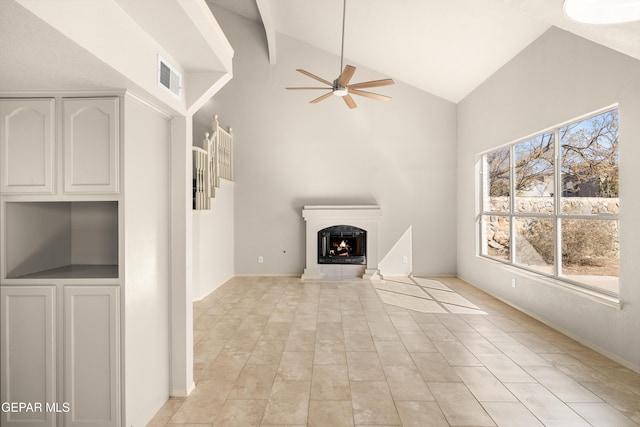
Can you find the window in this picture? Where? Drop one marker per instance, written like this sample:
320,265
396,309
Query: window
549,203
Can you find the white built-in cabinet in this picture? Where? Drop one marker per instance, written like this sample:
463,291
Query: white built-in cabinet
91,134
28,335
27,147
91,354
60,269
61,355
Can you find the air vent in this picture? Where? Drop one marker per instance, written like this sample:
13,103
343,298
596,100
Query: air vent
169,78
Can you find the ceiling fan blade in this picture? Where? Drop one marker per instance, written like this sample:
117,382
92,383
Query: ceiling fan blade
373,83
313,76
306,88
346,75
349,101
320,98
370,95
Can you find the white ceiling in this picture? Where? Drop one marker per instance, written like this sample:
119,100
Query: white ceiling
35,57
445,47
45,48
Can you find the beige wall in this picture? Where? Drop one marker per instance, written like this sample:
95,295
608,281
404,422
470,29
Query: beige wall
557,78
289,153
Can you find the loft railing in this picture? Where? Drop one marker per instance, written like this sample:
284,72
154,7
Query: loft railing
211,163
225,154
201,188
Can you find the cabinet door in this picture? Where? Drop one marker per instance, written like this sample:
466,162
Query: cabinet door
91,145
92,356
26,145
27,355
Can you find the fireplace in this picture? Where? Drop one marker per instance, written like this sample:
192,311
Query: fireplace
342,244
357,227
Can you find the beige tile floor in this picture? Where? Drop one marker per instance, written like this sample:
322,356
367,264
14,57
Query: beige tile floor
273,351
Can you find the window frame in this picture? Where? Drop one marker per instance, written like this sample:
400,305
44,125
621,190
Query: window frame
557,216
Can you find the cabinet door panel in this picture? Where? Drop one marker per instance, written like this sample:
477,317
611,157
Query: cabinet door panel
26,145
27,354
91,354
91,145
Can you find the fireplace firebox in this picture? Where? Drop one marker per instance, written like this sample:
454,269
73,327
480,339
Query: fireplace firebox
342,244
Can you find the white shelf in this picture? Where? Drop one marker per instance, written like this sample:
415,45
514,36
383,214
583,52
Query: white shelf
74,271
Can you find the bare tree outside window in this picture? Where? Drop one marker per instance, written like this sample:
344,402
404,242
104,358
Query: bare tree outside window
589,167
497,170
534,165
570,233
496,228
589,152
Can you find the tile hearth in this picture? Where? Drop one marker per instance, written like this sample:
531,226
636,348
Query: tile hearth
415,352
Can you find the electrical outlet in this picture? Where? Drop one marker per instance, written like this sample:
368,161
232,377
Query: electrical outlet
260,259
405,259
513,283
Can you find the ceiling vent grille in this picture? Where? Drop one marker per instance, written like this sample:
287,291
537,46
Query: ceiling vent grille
169,78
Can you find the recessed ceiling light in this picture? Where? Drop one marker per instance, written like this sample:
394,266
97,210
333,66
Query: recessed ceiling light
602,11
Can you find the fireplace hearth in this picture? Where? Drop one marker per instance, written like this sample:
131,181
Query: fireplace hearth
342,244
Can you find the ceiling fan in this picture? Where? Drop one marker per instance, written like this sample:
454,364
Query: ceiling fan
340,86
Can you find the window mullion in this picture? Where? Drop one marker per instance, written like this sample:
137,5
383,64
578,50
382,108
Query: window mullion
481,233
512,204
557,207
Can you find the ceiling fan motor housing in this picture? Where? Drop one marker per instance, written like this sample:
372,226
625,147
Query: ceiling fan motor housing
339,90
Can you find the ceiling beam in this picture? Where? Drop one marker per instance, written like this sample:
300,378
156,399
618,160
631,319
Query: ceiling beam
264,6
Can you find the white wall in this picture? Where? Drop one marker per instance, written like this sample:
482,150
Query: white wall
94,233
558,77
397,262
213,245
147,253
289,153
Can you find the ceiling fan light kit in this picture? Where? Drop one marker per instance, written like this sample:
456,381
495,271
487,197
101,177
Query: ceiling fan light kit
340,86
341,91
602,11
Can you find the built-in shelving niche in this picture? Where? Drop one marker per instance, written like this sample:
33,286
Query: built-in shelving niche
47,240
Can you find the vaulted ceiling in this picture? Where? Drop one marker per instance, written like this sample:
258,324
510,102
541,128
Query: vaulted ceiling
445,47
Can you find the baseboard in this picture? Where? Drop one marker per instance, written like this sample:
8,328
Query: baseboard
266,275
181,392
217,286
433,275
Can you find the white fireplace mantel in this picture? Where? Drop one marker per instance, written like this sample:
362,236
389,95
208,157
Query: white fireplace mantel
318,217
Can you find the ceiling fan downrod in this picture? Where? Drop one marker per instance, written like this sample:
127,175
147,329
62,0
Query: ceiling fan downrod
344,14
